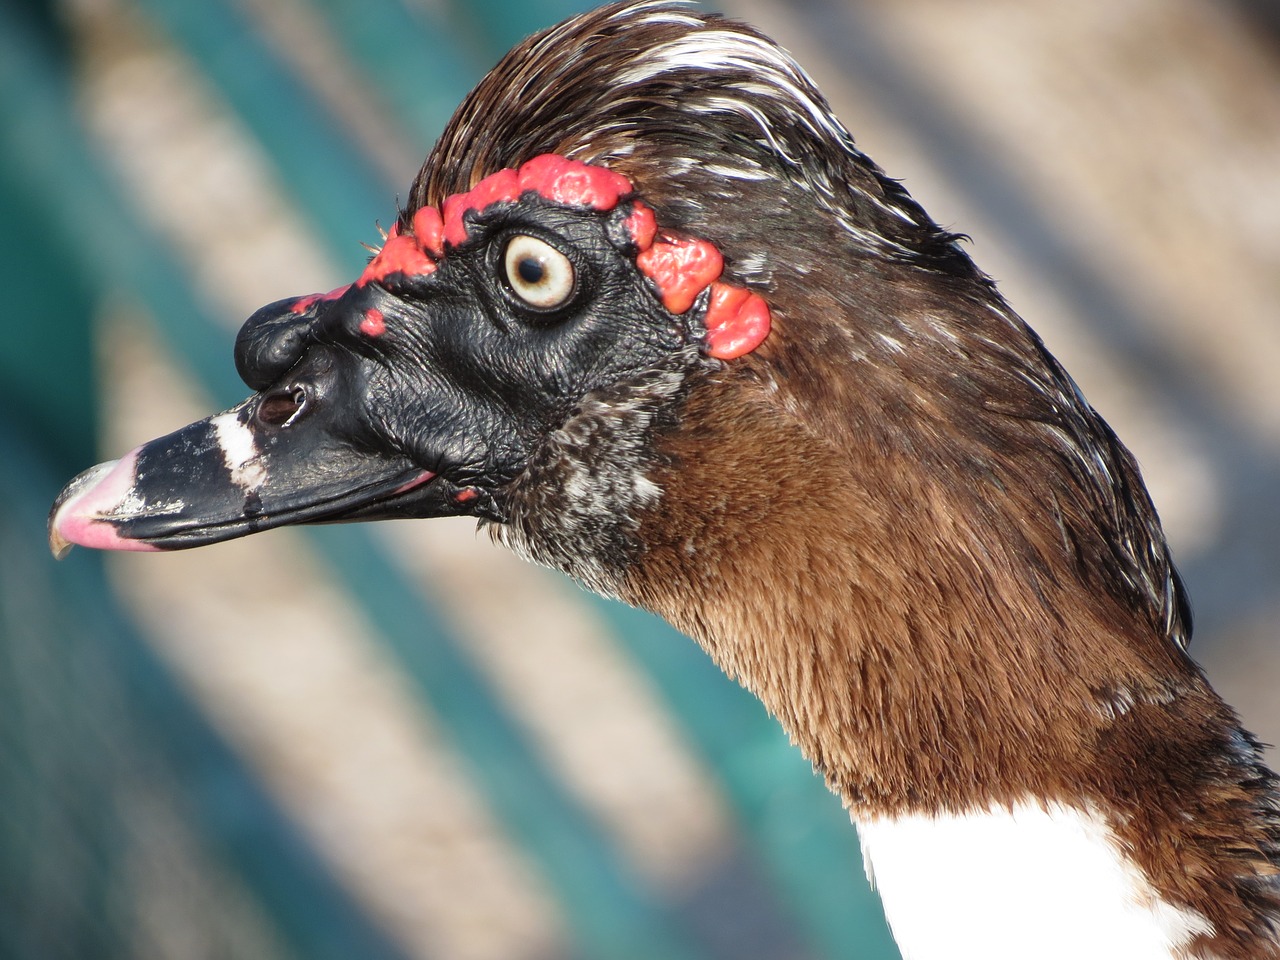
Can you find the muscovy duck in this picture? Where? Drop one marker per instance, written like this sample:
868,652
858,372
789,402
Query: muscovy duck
652,317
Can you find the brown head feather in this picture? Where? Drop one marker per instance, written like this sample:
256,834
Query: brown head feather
912,353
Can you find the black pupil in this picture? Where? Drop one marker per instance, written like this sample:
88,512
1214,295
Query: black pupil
531,270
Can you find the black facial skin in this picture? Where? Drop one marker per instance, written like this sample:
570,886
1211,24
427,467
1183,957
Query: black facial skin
464,382
468,377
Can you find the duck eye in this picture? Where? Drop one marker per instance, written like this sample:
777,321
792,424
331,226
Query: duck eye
538,273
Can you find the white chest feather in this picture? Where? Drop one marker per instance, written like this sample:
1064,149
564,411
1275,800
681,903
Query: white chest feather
1030,882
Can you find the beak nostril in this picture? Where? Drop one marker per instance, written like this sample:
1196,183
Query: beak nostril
279,408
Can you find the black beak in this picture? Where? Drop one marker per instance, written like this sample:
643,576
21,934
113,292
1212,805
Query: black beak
249,469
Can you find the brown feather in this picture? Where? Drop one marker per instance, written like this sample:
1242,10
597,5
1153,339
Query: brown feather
897,522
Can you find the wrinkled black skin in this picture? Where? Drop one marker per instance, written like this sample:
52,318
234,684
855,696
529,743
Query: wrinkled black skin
465,382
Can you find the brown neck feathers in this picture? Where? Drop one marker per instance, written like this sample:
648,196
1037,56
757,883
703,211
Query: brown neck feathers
948,608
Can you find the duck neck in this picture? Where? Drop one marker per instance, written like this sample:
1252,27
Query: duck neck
910,655
933,667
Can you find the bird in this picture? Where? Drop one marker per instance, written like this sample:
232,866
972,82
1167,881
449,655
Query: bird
652,318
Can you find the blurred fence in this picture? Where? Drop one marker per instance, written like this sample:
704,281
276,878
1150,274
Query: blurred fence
131,824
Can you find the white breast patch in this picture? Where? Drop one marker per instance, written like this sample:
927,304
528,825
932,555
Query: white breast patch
1011,885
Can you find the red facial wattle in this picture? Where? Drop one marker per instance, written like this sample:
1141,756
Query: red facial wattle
681,268
737,321
303,304
400,254
642,225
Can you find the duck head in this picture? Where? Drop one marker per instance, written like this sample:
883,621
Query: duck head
652,316
573,258
426,387
541,310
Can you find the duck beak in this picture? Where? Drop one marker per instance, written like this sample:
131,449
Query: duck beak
228,476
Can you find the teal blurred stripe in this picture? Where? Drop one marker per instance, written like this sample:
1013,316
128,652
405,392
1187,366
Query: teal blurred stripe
314,156
796,825
88,233
501,24
421,60
612,916
71,609
46,154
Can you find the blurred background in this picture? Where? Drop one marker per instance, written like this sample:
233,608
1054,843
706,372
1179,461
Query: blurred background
398,741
